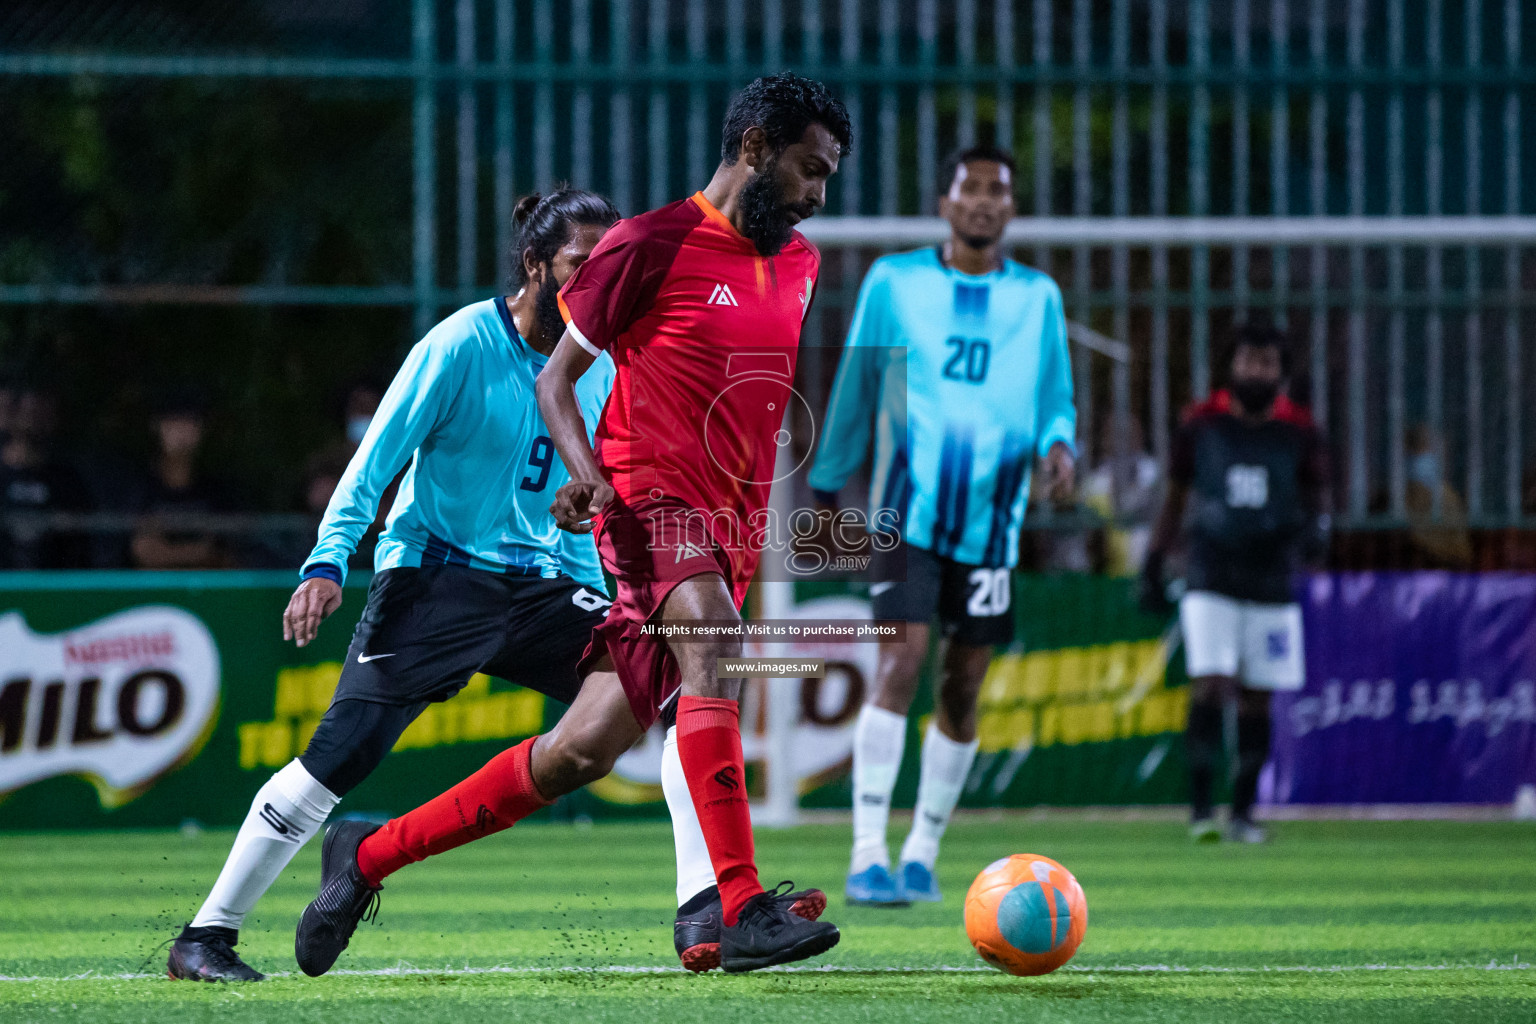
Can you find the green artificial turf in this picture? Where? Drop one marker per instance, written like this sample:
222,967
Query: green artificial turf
1334,921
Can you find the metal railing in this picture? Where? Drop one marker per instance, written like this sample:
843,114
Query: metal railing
1353,168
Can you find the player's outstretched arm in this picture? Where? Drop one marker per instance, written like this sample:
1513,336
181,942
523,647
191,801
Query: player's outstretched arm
578,501
419,397
310,605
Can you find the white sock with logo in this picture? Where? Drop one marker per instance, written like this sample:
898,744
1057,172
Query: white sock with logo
695,871
879,737
945,767
286,813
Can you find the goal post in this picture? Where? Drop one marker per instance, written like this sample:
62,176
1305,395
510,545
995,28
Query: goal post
1106,232
1371,302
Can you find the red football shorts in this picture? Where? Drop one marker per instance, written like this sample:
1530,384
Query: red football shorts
649,551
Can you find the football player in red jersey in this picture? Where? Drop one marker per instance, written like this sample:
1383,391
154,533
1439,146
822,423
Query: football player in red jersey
700,304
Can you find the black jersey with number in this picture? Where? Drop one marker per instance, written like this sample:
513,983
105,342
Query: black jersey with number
1253,496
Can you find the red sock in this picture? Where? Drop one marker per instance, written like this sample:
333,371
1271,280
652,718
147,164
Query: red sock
709,745
494,798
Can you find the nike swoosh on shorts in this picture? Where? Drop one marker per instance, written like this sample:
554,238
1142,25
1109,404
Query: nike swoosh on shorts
363,659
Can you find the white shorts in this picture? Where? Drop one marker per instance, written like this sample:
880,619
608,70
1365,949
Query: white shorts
1257,644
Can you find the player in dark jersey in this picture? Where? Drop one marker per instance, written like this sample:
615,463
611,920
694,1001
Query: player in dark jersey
700,305
1247,479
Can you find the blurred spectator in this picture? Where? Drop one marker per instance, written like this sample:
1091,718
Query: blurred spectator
357,412
176,489
8,395
34,481
1056,543
323,471
362,402
1437,516
1123,487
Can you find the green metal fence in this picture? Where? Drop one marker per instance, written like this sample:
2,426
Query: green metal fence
394,135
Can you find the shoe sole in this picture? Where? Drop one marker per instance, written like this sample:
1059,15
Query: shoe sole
810,907
813,945
701,958
705,956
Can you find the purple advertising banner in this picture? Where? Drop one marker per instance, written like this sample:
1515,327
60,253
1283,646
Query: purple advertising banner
1421,688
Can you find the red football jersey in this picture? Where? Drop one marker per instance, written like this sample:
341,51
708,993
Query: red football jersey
704,333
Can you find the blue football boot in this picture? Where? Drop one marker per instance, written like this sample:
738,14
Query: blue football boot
874,887
918,884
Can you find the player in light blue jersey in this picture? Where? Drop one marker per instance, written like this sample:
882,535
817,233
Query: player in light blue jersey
957,366
471,574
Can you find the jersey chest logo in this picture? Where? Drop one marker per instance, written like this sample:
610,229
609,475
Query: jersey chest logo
722,296
1247,486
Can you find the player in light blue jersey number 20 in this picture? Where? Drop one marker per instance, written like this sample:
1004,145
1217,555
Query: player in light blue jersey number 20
471,575
957,365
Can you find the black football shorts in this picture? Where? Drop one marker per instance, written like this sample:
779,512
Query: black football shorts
427,629
973,603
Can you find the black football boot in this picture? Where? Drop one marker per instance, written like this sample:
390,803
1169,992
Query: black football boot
345,898
696,932
769,932
208,954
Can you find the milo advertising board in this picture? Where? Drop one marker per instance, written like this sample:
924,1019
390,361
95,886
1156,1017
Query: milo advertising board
152,699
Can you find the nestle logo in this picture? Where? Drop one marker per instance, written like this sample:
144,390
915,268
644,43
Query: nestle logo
727,777
120,648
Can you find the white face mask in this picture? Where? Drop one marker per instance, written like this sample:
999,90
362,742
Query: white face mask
357,426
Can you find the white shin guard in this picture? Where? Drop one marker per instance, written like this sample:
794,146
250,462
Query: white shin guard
946,764
879,738
286,813
695,871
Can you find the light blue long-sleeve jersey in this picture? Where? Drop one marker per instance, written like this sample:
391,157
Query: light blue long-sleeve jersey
483,470
962,380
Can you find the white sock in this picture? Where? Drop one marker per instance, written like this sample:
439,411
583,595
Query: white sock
879,737
287,811
945,766
695,871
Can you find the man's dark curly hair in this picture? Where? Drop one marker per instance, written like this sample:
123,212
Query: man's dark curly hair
1259,333
544,223
960,157
783,106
